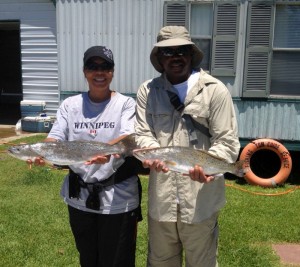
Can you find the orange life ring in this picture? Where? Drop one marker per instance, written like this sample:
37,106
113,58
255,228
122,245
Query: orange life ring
268,144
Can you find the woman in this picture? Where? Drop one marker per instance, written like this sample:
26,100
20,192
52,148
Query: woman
103,194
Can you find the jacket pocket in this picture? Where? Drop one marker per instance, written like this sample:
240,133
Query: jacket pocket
199,113
162,124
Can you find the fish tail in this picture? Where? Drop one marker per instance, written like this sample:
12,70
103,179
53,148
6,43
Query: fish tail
239,168
129,144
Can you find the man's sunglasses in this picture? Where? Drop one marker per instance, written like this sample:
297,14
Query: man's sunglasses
180,51
93,66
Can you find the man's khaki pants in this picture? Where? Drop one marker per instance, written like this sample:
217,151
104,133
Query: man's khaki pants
168,239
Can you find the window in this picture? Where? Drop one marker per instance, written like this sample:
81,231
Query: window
201,31
272,59
285,68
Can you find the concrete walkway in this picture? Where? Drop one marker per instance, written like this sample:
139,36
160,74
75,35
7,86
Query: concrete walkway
9,133
288,253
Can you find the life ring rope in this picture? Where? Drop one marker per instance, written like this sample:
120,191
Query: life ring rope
264,194
266,144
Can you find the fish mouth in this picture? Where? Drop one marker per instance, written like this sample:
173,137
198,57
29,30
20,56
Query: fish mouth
13,151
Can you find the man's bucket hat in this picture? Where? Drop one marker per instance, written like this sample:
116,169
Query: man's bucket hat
174,36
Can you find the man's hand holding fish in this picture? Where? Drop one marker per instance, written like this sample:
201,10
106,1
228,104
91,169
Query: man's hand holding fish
155,165
197,174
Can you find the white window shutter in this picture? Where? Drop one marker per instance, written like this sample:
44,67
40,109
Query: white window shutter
175,13
258,49
225,38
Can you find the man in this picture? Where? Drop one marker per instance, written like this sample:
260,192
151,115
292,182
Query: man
183,211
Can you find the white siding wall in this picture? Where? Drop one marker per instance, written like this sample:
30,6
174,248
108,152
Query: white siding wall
128,28
38,48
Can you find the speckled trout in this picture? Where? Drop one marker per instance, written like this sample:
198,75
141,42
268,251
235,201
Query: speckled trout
182,159
71,152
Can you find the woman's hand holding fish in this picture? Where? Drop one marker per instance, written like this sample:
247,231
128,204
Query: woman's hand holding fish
155,165
101,159
98,160
36,161
197,174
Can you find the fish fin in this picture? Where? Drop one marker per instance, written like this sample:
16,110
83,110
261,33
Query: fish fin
239,168
129,143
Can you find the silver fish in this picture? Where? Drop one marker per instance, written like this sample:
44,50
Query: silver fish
72,152
182,159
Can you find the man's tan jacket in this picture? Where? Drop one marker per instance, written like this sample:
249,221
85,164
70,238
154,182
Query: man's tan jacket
158,124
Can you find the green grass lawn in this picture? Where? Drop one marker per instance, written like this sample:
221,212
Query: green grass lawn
34,227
